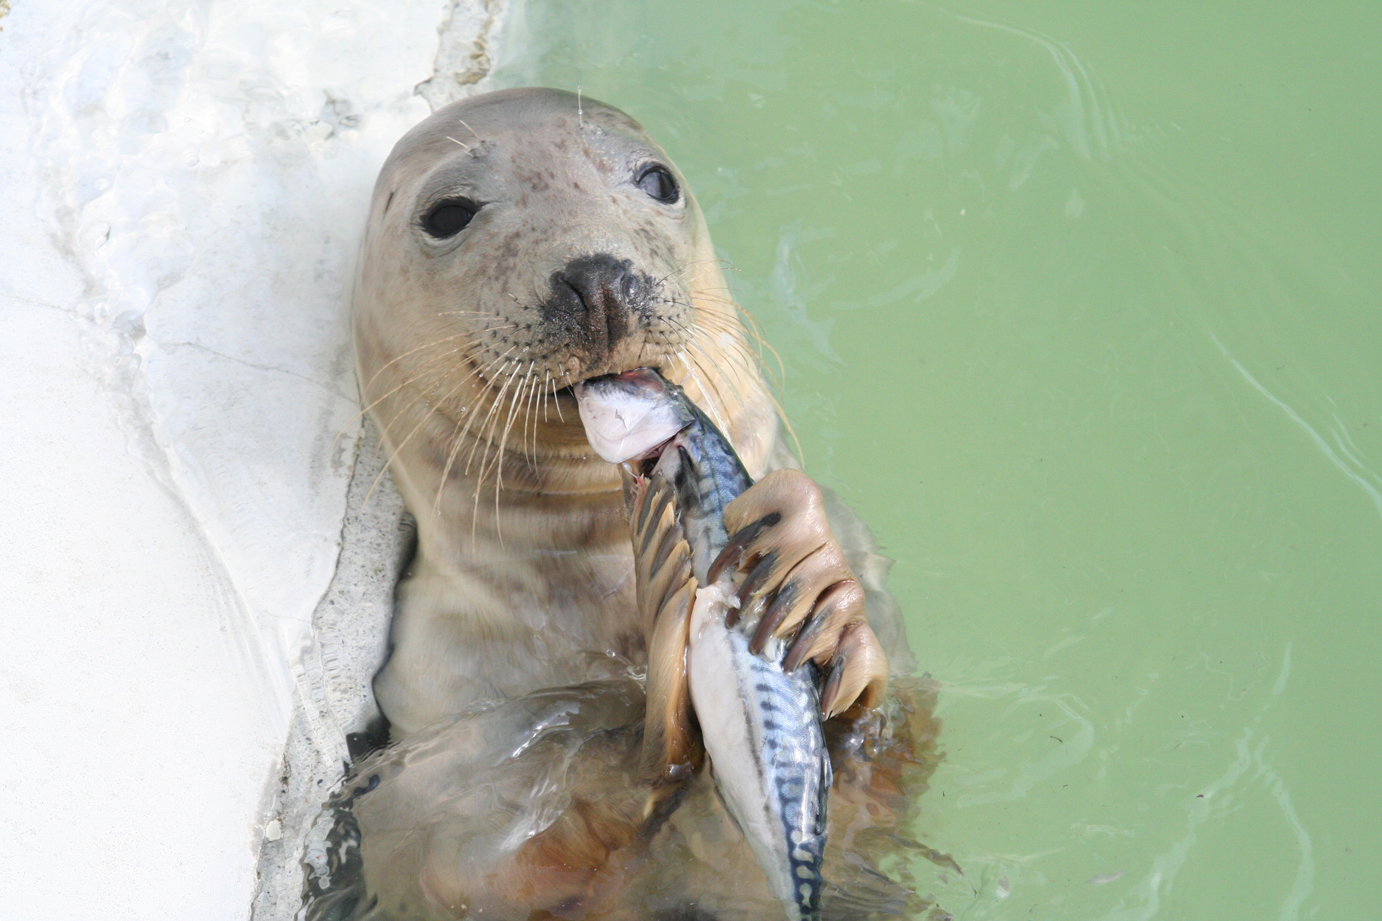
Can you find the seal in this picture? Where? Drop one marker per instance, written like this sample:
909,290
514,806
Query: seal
518,243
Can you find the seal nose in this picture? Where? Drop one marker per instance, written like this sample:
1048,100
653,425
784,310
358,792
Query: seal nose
594,297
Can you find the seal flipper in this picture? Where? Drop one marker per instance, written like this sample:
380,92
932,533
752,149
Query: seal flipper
665,589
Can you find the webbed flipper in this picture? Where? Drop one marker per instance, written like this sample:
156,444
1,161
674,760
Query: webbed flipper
665,589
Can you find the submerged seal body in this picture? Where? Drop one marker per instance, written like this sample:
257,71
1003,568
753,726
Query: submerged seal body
520,242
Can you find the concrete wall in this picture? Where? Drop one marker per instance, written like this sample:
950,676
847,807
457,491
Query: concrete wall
184,186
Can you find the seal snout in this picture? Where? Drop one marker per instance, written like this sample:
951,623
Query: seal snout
594,300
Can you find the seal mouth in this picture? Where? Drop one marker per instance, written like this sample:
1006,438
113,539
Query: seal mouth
569,391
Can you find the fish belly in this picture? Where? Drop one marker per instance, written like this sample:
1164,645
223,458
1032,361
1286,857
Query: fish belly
762,731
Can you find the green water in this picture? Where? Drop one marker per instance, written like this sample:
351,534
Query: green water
1079,306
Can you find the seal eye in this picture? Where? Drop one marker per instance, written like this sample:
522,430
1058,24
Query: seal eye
449,217
657,181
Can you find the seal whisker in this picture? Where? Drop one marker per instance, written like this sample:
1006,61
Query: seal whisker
431,409
419,394
556,401
459,347
691,368
696,353
750,326
531,418
477,371
518,399
413,377
422,394
478,333
492,420
370,406
458,434
498,465
549,396
468,313
749,358
700,338
364,389
723,295
739,360
525,387
467,127
701,345
503,440
488,441
479,480
546,382
686,267
745,355
396,359
722,324
493,406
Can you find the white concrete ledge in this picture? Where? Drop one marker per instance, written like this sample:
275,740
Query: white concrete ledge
184,188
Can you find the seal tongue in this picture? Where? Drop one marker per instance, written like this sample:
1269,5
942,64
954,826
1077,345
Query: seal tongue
628,415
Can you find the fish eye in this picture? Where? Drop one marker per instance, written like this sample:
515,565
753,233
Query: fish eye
449,217
658,182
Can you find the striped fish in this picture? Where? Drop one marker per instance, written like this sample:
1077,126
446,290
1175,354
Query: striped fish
761,726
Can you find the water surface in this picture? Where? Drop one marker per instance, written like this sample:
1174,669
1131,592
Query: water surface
1079,307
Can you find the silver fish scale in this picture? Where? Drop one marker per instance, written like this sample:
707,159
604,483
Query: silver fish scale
792,742
709,478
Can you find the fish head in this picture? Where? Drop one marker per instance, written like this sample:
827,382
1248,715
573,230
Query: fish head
629,415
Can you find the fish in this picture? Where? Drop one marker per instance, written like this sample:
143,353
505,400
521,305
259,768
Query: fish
760,725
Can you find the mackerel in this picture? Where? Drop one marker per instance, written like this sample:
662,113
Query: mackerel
761,725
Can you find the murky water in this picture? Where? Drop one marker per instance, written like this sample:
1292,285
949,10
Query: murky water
1080,307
